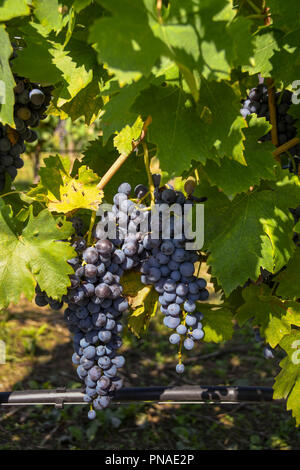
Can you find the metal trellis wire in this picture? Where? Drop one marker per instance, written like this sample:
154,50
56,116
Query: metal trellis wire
187,394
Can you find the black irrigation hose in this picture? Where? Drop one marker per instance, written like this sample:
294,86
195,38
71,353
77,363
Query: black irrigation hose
184,394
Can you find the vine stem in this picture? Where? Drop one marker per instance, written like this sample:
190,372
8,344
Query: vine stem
181,341
113,169
254,7
272,108
11,192
286,146
266,11
159,7
147,165
123,157
92,223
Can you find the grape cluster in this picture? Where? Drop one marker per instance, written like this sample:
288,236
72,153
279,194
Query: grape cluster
31,102
170,268
10,160
95,307
42,299
164,263
257,102
124,241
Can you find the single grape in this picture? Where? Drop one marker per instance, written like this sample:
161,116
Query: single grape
174,338
180,368
92,414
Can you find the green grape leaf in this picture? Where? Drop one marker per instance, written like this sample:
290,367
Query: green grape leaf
25,64
286,378
79,5
287,382
294,109
224,40
63,192
289,279
36,254
224,124
100,158
86,103
47,13
286,61
256,232
274,316
285,15
132,40
123,140
13,8
234,177
216,207
125,40
76,65
217,323
293,403
142,301
112,120
7,82
265,46
178,132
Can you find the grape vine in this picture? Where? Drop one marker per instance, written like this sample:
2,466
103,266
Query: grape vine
163,85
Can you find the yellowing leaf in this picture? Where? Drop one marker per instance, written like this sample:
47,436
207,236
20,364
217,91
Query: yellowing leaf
143,305
123,140
63,192
78,193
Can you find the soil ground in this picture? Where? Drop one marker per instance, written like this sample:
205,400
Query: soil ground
39,356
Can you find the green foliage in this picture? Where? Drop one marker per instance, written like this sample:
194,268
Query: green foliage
274,316
289,281
7,79
34,253
124,139
187,66
47,14
287,384
237,176
176,129
100,157
217,323
255,232
13,8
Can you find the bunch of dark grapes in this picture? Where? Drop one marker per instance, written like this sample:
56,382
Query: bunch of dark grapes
31,102
169,266
257,102
95,307
95,304
94,310
42,299
10,151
